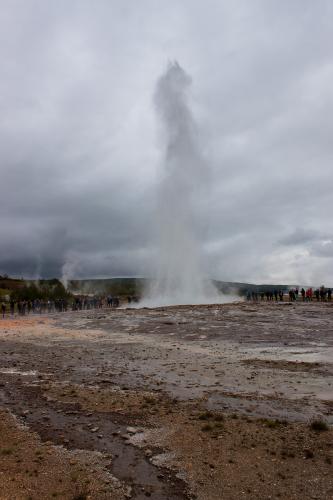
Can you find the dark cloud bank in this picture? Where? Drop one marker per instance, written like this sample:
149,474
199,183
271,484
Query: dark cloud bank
81,147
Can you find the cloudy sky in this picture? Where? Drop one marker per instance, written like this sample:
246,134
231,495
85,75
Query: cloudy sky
80,149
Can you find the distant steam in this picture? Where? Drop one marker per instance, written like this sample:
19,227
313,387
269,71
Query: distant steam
179,276
69,268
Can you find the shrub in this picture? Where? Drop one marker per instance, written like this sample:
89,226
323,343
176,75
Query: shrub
206,415
318,425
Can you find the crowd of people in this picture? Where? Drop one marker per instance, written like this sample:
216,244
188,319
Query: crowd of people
322,294
77,303
82,303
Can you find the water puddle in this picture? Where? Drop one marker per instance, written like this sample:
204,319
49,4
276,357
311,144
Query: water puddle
291,353
14,371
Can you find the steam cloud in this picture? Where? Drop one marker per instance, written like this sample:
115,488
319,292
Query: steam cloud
180,279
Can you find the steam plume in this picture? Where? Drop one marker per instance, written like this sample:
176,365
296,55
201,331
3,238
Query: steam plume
180,279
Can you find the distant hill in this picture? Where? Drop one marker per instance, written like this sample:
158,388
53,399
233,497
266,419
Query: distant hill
243,288
136,286
20,289
9,286
11,283
109,286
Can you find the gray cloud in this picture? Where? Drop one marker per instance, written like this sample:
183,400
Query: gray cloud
300,236
80,146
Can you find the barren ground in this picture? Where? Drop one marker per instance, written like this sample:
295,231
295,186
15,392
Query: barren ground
207,402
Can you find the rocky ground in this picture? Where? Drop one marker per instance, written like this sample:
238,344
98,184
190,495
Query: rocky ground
206,402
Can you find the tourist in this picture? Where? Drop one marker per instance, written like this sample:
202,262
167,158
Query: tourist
309,294
322,293
12,307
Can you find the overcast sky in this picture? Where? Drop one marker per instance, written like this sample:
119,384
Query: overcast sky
80,149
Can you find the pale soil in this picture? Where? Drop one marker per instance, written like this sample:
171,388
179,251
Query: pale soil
212,402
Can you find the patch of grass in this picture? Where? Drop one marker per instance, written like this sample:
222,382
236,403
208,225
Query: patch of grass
149,400
207,427
271,424
80,496
7,451
74,476
318,425
206,415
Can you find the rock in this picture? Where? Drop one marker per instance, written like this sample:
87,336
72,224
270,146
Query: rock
126,436
132,430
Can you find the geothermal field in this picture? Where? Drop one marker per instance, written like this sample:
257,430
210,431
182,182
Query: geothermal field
220,399
147,349
208,402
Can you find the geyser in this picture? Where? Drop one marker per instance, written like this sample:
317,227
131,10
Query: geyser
179,275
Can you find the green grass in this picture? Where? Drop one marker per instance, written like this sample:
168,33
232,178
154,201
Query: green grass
273,424
318,425
7,451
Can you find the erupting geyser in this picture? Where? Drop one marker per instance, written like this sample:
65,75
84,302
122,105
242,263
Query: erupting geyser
179,277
